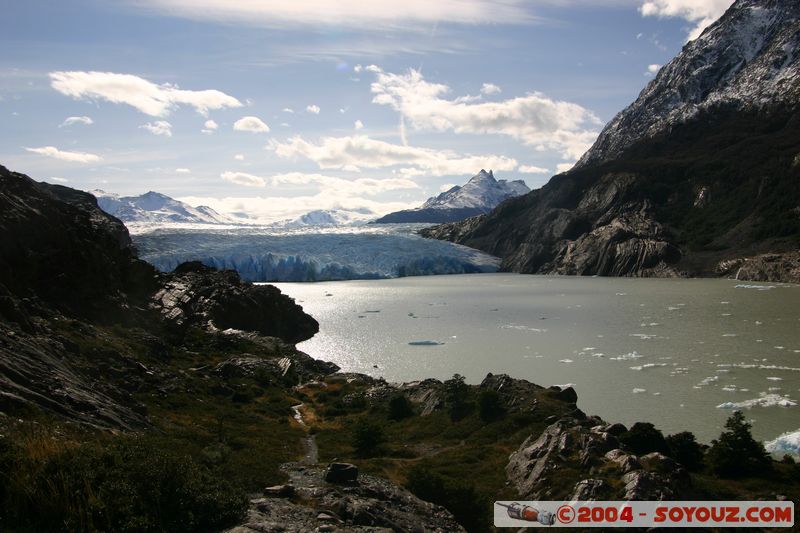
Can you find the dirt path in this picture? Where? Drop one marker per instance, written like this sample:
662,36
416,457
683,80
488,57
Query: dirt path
310,448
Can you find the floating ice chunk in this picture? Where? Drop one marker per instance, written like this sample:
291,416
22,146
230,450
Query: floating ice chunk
729,388
566,361
630,356
425,343
774,378
643,336
648,365
565,385
708,381
638,391
764,400
730,335
757,287
773,389
788,442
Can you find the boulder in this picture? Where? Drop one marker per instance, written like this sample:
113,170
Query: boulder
341,473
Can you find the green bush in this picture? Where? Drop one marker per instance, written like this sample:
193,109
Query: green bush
130,484
643,438
469,507
368,437
684,448
400,407
490,407
457,394
736,453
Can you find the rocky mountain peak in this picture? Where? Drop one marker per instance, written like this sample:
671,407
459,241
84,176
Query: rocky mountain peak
748,58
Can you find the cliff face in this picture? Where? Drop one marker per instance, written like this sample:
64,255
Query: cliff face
68,273
699,172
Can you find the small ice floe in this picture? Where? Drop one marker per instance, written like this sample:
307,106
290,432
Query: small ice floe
643,336
707,381
788,442
425,343
779,347
725,314
630,356
766,367
372,311
566,361
758,322
622,294
724,303
729,388
764,400
774,378
648,365
756,287
565,386
656,394
773,389
638,391
672,308
730,335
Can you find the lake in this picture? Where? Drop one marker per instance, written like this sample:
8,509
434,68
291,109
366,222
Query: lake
681,353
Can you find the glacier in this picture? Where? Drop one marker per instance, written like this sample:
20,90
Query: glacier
270,253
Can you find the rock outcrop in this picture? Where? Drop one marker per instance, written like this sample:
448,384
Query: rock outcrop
69,275
371,504
546,465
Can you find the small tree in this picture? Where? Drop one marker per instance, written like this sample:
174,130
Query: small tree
490,407
368,437
684,448
457,397
643,438
399,407
736,453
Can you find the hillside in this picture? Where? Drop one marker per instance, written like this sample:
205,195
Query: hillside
698,177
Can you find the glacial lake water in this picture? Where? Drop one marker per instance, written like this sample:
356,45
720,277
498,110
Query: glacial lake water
680,353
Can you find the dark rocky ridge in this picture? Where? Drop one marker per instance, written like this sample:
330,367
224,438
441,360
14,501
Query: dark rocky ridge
701,172
65,268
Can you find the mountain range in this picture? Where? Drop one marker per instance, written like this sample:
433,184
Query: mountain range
697,177
154,207
479,195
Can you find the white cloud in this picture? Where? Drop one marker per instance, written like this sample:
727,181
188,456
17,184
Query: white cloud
147,97
59,180
209,127
490,88
288,110
699,12
72,157
386,14
358,125
183,171
159,127
563,167
652,69
530,169
252,124
359,151
534,119
313,108
239,157
69,121
359,186
243,178
357,69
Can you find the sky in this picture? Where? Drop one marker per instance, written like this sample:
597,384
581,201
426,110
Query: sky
274,108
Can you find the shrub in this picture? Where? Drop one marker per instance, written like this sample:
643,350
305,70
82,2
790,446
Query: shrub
368,437
468,506
736,453
684,448
490,407
643,438
457,397
129,484
400,407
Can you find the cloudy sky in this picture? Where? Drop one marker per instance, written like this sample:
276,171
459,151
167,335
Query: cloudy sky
278,107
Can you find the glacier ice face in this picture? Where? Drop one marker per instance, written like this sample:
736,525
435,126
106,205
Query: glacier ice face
261,253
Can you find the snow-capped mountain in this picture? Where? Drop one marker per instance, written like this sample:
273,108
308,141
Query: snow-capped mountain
479,195
153,207
697,177
747,58
329,217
